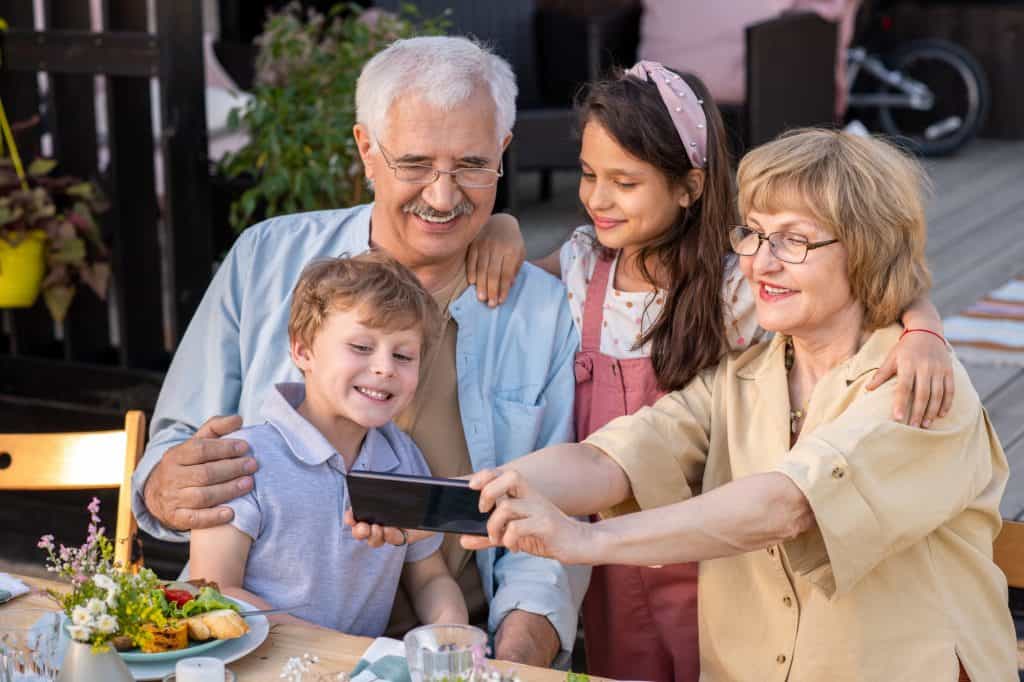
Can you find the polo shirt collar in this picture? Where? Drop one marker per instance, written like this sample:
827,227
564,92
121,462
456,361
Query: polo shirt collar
310,446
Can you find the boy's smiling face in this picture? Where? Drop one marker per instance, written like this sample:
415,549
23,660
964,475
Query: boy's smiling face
359,373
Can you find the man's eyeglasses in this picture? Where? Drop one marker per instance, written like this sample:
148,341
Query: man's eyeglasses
786,246
421,174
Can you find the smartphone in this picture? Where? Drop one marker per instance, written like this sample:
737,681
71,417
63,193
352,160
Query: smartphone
445,505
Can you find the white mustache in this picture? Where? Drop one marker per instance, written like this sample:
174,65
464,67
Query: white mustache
425,211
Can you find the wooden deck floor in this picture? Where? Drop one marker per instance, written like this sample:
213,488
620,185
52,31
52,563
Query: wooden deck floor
975,243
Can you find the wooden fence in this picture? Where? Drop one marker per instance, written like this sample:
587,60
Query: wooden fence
107,357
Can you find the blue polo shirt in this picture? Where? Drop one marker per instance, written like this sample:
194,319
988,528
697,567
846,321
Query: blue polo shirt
302,552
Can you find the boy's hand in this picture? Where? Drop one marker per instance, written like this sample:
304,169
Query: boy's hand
376,536
192,479
494,258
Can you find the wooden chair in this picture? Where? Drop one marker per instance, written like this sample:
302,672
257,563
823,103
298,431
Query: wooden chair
1008,552
77,461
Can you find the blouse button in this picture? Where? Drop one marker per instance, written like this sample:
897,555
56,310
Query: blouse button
781,658
838,473
787,600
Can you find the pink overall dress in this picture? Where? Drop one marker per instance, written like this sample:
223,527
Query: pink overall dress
639,623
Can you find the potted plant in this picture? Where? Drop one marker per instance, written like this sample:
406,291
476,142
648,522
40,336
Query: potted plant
301,155
49,239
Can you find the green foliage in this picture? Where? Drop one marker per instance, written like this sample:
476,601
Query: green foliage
301,151
63,207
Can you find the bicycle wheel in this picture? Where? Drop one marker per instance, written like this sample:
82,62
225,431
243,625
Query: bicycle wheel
958,84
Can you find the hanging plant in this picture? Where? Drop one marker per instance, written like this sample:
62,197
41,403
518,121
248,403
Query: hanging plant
62,209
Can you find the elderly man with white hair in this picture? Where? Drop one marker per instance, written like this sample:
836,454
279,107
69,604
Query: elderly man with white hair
434,115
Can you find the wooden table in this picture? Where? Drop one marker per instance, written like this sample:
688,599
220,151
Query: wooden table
335,650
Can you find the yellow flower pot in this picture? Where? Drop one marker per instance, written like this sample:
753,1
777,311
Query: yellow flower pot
21,270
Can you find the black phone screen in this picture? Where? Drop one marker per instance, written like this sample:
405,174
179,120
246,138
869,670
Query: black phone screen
445,505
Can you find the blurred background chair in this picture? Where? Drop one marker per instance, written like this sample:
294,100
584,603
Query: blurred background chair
79,461
791,76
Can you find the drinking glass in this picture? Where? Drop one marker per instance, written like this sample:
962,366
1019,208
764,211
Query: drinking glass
29,654
443,652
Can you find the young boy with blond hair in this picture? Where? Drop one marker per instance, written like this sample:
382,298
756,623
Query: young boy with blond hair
358,330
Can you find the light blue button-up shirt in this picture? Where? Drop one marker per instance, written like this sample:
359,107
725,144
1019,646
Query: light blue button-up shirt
514,365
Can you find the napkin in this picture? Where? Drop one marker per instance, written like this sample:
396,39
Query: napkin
11,587
383,660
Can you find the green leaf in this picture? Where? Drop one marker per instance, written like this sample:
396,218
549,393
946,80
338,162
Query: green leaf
97,277
84,190
58,300
40,167
70,252
10,214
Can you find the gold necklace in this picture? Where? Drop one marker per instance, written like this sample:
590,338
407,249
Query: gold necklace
795,416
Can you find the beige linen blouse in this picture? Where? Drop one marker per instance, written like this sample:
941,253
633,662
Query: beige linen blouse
896,580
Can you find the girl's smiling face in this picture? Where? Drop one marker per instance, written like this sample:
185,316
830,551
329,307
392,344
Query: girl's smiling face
630,202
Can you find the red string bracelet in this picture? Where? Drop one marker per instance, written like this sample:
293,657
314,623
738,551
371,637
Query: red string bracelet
940,337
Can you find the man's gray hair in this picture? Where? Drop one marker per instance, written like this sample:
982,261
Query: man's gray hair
444,70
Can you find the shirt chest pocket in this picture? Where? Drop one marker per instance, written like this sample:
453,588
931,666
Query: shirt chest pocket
517,427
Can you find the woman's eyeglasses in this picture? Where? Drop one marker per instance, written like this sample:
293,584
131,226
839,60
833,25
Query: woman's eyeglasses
788,247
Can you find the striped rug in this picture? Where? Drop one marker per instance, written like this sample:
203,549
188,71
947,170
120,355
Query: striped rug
991,331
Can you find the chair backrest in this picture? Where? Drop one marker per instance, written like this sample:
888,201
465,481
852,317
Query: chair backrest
1008,552
76,461
791,74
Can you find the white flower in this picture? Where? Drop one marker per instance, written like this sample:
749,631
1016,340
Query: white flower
295,667
96,607
80,616
106,624
104,582
79,633
111,599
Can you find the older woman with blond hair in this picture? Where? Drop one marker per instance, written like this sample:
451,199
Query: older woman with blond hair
835,543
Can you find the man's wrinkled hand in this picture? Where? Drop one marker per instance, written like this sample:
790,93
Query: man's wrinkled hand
191,481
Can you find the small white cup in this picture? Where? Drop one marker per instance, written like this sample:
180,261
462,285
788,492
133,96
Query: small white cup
200,669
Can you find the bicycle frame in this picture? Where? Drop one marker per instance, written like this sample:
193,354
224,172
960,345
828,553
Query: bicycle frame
913,94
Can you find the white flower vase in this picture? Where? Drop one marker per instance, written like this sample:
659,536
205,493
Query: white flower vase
82,664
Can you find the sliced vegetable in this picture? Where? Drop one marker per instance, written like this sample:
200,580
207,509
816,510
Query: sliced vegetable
179,597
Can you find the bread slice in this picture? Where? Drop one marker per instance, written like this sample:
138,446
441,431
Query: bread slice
197,630
221,624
